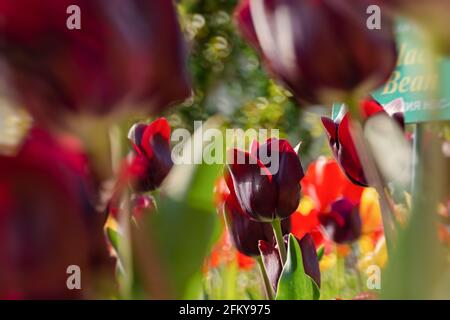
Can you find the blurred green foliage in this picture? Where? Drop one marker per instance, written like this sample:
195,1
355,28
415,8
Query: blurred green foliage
228,79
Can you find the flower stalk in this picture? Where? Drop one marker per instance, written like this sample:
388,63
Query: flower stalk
276,225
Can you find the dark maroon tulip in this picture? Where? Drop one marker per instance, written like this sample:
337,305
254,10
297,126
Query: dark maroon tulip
151,160
246,233
269,190
126,54
321,50
344,149
272,262
343,222
48,221
342,144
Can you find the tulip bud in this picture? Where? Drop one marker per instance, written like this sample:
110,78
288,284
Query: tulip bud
272,262
342,143
269,190
152,160
343,222
321,50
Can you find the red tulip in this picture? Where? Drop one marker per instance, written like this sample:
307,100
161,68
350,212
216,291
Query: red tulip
47,220
321,50
266,191
324,182
272,262
244,232
151,160
342,144
127,53
308,223
343,222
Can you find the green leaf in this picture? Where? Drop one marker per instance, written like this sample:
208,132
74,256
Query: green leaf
294,283
320,253
186,224
114,238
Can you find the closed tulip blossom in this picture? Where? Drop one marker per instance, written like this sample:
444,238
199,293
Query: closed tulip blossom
343,222
342,143
296,38
125,55
151,159
244,232
272,262
48,221
266,188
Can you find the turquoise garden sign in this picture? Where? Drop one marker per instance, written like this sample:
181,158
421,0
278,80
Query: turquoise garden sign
420,85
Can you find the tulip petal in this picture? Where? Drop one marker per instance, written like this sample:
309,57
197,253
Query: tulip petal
331,129
370,107
153,159
245,24
347,154
135,135
343,223
272,262
246,233
159,127
255,191
286,175
310,260
241,228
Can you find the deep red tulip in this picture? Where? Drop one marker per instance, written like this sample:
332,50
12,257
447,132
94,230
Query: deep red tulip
244,232
272,262
126,54
266,191
344,149
47,220
342,144
343,222
322,50
151,160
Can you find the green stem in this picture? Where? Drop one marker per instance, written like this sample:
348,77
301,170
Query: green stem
276,225
267,285
355,255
